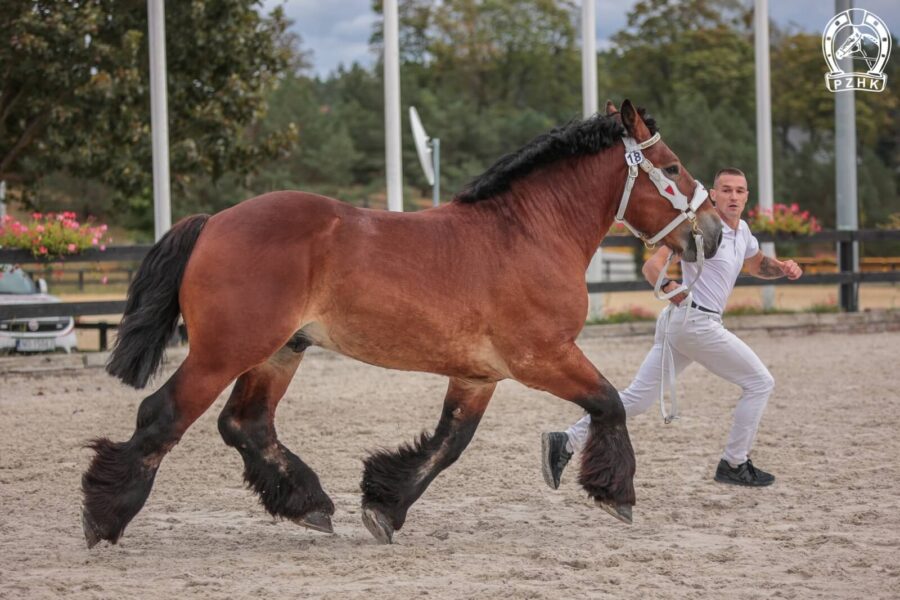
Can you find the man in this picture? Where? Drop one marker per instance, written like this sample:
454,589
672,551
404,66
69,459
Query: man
699,336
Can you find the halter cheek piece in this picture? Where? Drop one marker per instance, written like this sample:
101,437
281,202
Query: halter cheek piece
688,212
668,190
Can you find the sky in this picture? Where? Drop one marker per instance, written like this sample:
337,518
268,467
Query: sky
337,31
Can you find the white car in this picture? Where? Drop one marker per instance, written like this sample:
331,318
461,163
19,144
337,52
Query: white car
43,334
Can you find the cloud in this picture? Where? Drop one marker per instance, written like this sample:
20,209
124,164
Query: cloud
336,32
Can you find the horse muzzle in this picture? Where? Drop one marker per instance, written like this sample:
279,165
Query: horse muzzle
710,227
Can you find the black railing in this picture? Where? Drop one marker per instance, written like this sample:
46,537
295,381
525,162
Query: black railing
847,276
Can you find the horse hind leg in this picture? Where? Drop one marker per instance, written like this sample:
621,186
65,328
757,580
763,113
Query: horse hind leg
287,487
393,481
119,479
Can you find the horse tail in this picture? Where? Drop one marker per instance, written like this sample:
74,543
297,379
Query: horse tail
152,309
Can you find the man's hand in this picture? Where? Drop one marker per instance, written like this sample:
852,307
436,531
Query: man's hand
790,269
677,298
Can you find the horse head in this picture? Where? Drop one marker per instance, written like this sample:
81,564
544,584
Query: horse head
853,46
667,205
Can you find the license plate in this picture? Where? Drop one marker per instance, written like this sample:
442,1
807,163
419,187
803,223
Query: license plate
35,345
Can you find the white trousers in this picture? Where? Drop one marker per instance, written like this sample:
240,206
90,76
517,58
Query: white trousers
700,337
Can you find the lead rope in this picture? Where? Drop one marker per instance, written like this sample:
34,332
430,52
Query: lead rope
667,356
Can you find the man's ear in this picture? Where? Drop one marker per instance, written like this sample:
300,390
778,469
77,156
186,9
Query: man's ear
712,195
633,122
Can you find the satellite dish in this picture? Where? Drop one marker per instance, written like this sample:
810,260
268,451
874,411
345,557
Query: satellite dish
423,147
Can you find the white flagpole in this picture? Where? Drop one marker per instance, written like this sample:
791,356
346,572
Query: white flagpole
766,192
394,167
589,107
159,118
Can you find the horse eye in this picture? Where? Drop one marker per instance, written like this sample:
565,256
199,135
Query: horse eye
672,170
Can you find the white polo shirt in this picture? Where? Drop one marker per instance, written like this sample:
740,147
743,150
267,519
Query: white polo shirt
721,271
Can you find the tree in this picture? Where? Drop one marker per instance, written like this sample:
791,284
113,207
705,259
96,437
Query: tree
75,90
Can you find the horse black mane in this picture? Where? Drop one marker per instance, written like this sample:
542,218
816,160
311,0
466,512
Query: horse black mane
575,138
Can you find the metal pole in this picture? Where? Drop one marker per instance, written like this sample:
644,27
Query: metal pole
436,162
2,199
847,208
159,118
764,127
588,58
589,108
394,167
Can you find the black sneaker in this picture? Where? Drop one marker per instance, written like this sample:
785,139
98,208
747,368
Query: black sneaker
554,457
744,474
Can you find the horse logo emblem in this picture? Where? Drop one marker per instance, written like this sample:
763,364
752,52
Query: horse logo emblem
862,37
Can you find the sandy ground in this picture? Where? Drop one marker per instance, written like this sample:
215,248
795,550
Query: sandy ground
488,527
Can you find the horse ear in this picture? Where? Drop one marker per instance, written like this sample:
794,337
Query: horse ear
633,122
611,108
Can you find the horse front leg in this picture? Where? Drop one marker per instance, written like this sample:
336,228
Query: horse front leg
607,462
393,481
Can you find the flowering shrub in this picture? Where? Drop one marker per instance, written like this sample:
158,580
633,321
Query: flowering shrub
52,234
783,219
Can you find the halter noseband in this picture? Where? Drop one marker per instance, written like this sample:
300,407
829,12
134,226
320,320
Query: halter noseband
668,190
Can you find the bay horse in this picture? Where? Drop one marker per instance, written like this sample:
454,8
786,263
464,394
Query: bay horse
489,286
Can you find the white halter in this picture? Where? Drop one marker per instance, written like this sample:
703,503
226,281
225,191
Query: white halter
668,190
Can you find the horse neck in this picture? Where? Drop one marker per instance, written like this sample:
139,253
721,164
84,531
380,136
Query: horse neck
572,202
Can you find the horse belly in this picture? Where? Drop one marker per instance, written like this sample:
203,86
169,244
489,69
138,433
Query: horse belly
404,346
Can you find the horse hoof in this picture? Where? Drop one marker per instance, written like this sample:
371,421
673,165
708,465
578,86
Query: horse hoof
378,525
91,533
316,520
620,511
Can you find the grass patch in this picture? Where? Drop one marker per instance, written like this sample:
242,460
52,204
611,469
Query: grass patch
630,314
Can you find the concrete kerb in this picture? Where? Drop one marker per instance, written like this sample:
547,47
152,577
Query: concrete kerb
780,324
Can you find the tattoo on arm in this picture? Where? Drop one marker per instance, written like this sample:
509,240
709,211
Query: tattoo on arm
768,269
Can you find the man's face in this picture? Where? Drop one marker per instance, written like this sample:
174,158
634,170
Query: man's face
730,194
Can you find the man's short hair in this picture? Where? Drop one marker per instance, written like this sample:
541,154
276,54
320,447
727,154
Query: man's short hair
728,171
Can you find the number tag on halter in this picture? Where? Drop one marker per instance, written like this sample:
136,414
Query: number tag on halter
634,158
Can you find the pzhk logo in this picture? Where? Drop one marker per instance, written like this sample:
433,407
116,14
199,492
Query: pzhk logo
863,39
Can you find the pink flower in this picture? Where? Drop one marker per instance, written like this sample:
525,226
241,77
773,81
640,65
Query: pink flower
94,241
72,247
36,216
795,207
42,250
104,280
39,228
102,247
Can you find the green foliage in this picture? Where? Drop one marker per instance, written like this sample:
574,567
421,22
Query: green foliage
75,92
485,75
